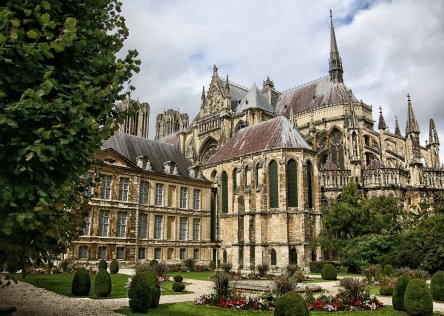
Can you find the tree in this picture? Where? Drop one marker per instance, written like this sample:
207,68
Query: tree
59,82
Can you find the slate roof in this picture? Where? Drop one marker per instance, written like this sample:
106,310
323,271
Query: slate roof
312,95
157,152
237,92
275,133
254,99
172,139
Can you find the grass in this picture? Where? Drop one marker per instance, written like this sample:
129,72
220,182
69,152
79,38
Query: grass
169,291
193,275
189,309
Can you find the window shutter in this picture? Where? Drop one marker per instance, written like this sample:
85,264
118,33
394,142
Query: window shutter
273,188
292,184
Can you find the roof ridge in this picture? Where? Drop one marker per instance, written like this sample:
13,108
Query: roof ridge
234,83
306,84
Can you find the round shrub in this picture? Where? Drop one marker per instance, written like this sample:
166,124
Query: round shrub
385,290
329,272
102,283
178,278
114,267
398,292
388,270
437,286
211,265
139,293
103,264
417,298
178,286
289,304
81,283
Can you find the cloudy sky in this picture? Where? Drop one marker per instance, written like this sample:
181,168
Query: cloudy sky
388,49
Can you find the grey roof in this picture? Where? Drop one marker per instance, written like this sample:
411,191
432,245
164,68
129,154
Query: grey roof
237,92
157,152
254,99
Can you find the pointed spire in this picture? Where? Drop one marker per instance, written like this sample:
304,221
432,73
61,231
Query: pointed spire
203,92
227,85
433,133
397,129
335,61
381,124
412,125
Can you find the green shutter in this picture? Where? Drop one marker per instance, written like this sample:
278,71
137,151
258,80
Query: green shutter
273,183
224,192
292,184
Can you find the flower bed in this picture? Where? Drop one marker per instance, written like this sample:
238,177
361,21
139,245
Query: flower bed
336,303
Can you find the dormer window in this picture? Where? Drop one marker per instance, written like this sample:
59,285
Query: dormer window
143,162
170,167
195,172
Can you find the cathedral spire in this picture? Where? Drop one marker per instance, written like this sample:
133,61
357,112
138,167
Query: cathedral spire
412,125
335,61
433,133
397,129
381,123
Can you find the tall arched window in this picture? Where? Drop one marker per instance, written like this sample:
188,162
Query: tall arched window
292,184
293,256
234,180
224,192
273,184
273,257
309,185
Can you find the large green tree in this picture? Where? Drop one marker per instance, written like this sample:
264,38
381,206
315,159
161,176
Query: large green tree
60,78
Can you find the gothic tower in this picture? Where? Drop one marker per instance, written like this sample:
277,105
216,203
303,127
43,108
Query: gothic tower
137,124
170,122
433,145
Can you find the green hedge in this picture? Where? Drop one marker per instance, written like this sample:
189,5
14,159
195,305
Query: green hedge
81,283
329,272
114,267
437,286
102,283
399,291
316,266
417,298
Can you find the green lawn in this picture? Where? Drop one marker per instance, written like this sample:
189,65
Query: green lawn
169,291
193,275
189,309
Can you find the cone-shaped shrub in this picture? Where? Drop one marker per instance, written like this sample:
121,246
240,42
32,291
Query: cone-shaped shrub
140,293
114,267
102,283
329,272
81,283
388,270
103,264
437,286
289,304
417,298
155,288
398,292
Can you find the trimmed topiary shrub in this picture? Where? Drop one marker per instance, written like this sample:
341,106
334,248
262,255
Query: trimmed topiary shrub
437,286
329,272
103,264
316,266
388,270
140,293
81,283
155,289
417,298
114,267
386,290
102,283
178,286
398,292
211,265
178,278
291,303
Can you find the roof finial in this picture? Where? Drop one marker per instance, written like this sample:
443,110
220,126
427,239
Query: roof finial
397,129
381,124
408,97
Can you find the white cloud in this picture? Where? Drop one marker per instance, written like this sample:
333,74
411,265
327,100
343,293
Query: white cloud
388,48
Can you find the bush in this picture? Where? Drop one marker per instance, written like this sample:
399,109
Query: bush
144,267
178,278
178,286
388,270
114,267
211,265
316,266
372,272
221,286
291,303
284,283
226,267
437,286
399,291
354,290
414,273
140,293
161,269
102,283
103,264
386,290
293,269
329,272
81,283
262,269
189,264
417,298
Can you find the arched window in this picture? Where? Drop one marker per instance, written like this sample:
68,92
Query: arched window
292,184
293,256
224,192
273,258
224,257
273,184
234,180
309,185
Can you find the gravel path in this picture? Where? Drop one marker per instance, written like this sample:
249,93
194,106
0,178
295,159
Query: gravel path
31,300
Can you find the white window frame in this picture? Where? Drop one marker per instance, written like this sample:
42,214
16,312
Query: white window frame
157,253
182,253
121,225
142,230
123,189
196,254
104,223
100,250
183,197
196,199
83,252
159,194
196,228
141,250
120,253
105,187
144,192
183,223
158,222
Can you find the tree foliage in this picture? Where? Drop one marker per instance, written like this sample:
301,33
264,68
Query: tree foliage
59,81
